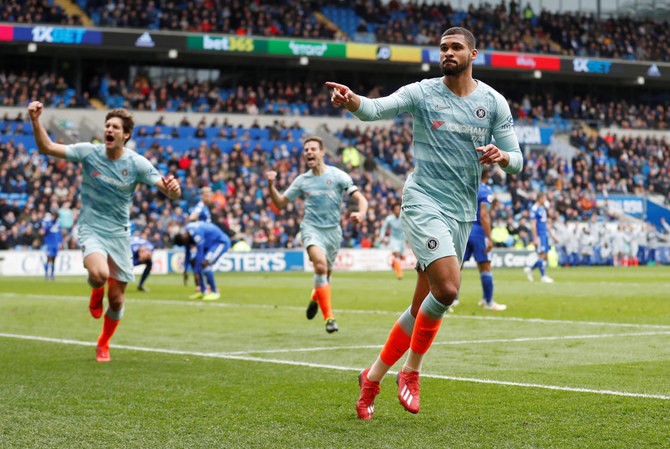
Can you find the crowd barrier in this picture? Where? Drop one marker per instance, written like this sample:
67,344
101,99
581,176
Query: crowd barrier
70,262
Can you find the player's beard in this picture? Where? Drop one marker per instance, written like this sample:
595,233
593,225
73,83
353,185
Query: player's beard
453,71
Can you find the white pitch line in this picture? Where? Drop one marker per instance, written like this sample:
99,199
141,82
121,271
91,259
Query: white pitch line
352,311
337,367
458,342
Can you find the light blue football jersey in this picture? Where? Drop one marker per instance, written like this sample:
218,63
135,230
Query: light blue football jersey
447,129
322,195
394,224
108,186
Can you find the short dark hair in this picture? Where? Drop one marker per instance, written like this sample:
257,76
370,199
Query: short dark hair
126,118
179,240
317,139
469,37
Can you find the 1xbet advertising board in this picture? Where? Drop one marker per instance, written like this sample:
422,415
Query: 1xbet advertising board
57,35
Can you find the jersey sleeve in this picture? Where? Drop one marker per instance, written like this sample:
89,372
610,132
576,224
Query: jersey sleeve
78,151
486,197
295,190
146,172
503,132
346,183
404,99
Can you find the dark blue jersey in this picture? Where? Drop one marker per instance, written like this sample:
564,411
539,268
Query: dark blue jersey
538,214
135,244
52,232
209,240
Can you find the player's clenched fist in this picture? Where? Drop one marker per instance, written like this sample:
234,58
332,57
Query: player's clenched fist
172,186
357,217
271,176
35,109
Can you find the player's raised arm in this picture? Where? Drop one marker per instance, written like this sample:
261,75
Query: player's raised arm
277,198
44,143
169,185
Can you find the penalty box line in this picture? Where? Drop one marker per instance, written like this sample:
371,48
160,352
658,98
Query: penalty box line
336,367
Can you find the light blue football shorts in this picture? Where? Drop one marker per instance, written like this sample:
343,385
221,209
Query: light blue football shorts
432,234
328,239
397,246
116,249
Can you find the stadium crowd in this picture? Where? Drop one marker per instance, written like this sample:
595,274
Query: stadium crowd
265,97
32,186
36,11
297,98
270,18
503,26
19,87
509,27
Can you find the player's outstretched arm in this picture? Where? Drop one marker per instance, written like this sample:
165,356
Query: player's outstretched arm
366,109
277,198
343,96
44,143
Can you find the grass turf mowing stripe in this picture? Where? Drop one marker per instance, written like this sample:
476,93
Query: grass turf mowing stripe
335,367
353,311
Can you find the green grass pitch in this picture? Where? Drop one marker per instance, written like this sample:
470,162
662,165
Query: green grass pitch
582,363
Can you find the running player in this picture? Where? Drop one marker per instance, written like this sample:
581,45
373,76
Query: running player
110,174
322,188
395,239
455,119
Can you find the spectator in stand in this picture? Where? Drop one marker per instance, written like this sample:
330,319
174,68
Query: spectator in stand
36,11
